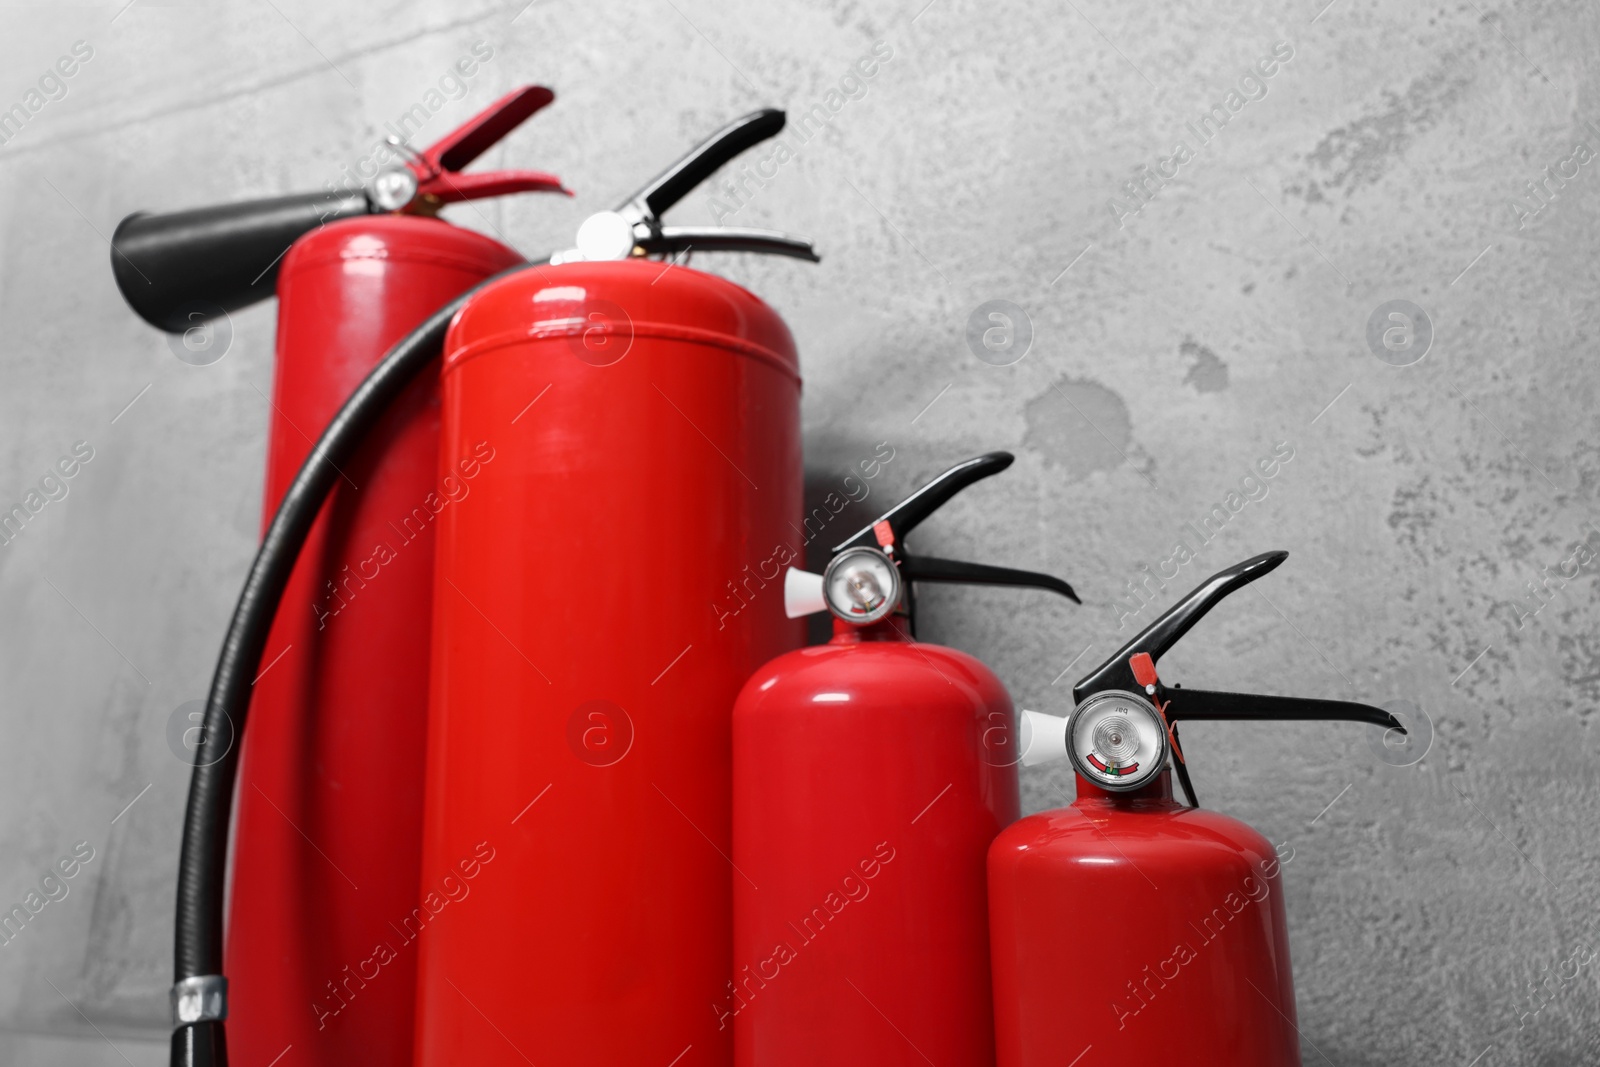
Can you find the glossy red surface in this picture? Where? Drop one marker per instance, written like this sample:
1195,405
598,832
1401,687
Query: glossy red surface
328,834
1143,929
870,776
611,581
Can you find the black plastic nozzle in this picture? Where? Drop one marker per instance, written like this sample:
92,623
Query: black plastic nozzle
175,266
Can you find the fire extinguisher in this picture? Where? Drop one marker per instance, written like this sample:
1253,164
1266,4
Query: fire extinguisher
329,808
1131,923
633,428
870,775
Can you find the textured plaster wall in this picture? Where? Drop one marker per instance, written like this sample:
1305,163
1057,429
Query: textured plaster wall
1172,348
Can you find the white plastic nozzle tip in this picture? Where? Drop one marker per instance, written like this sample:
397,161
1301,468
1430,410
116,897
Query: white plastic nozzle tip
802,593
1044,738
605,235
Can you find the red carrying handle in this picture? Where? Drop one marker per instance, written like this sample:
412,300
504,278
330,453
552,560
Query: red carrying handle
438,168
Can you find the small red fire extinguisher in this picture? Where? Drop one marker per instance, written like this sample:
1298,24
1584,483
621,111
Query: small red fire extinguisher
1130,923
318,955
635,429
870,775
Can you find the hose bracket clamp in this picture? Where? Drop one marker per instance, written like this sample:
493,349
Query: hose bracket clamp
200,999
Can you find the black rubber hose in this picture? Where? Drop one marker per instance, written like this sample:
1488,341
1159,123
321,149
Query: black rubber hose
201,867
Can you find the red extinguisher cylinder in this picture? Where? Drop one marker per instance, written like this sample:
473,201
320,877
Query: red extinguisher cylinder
864,800
870,775
1129,924
328,843
1142,929
632,429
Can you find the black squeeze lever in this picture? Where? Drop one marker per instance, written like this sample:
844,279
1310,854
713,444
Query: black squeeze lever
701,162
886,536
635,228
930,569
909,513
1132,669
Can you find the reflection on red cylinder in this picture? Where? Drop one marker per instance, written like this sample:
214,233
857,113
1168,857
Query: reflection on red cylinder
328,838
870,776
635,426
1144,929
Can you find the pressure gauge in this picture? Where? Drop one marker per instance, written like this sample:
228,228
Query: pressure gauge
862,585
1117,740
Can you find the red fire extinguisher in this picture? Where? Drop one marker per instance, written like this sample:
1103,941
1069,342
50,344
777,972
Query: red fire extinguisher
1129,923
326,870
633,429
870,775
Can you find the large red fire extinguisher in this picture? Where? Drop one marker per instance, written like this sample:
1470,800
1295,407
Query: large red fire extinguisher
1129,924
632,427
870,775
326,871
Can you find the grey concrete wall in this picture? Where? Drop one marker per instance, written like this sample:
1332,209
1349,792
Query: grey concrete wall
1178,337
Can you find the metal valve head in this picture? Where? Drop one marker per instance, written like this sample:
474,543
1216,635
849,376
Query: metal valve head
870,574
432,178
204,262
861,585
635,228
1122,704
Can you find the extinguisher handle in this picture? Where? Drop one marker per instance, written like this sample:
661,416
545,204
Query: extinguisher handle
172,266
1132,669
909,513
700,162
483,131
1155,639
437,168
684,239
1185,705
451,188
930,569
635,228
1189,705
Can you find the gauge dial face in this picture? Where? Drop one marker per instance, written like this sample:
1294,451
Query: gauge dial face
861,585
1117,740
